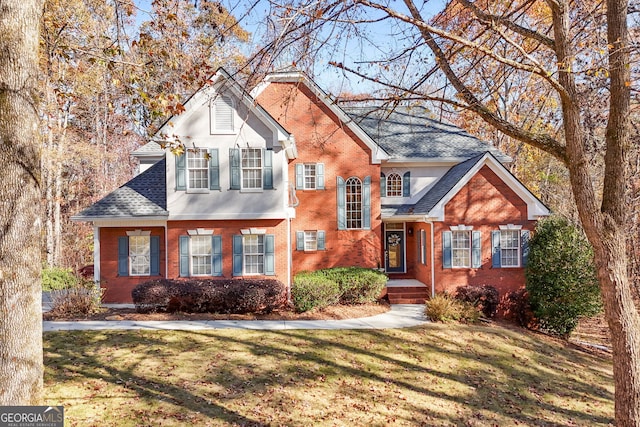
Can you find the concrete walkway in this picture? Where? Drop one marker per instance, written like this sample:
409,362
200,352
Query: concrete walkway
400,316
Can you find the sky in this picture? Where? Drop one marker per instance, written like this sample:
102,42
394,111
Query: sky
379,38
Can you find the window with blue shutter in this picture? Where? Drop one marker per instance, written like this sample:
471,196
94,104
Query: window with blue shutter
476,253
495,249
123,256
234,168
269,255
183,243
524,246
237,255
342,210
320,176
299,176
267,170
155,256
366,203
299,240
446,249
214,169
181,172
406,184
216,255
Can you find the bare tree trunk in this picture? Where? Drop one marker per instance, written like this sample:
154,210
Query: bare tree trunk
20,207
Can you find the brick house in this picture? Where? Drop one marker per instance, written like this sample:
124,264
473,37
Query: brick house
283,180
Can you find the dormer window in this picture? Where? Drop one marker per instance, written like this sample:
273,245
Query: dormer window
222,115
394,185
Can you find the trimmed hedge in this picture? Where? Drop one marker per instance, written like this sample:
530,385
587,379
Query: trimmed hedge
344,285
311,290
234,296
484,297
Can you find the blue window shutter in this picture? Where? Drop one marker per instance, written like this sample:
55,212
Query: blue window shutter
237,255
234,168
383,185
320,237
123,256
155,256
406,184
299,176
524,246
214,169
216,255
446,249
320,176
476,253
269,255
184,256
342,201
495,249
300,240
366,203
181,172
267,170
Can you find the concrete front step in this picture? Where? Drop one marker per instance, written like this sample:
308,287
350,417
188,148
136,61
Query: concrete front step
407,294
407,300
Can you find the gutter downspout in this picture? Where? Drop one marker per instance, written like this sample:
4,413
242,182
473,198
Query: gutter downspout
289,260
433,271
96,255
166,252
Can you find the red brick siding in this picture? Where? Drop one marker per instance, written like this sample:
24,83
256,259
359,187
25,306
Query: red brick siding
485,203
322,138
118,289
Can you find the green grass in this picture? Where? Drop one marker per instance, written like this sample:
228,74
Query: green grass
434,375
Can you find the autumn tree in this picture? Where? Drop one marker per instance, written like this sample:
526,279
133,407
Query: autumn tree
20,209
571,63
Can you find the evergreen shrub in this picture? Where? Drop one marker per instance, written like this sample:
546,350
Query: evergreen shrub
561,276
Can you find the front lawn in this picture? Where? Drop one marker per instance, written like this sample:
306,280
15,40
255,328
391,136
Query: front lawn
432,375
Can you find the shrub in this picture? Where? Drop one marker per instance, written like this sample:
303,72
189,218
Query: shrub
214,296
561,276
519,309
444,308
484,297
313,290
77,301
357,285
55,278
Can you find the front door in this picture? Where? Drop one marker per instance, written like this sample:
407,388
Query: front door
394,247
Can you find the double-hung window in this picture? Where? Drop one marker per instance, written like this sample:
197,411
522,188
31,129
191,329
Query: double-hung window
200,253
310,240
461,248
354,203
253,254
198,169
510,247
310,176
251,168
139,254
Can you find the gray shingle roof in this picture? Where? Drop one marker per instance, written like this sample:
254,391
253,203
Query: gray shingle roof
436,193
144,195
409,133
150,148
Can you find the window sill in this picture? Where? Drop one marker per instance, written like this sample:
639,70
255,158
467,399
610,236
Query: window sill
251,190
197,191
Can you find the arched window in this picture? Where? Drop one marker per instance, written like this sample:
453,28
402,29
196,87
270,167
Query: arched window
353,193
222,114
394,185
